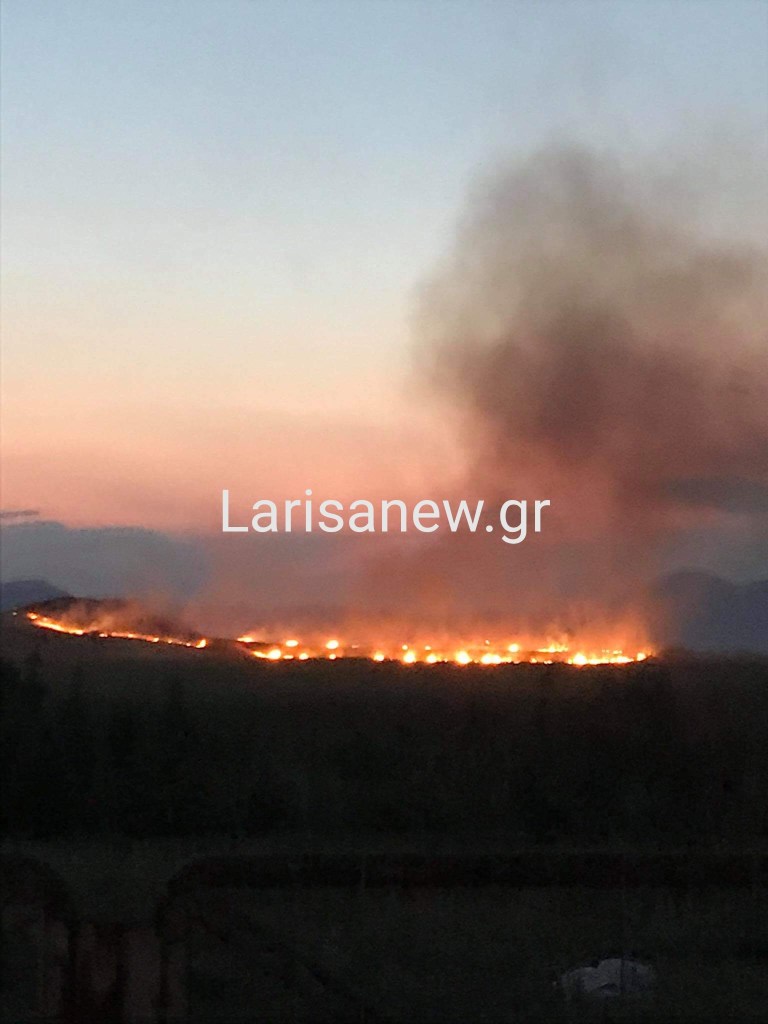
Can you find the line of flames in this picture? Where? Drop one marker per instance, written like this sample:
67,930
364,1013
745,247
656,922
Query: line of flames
408,654
64,627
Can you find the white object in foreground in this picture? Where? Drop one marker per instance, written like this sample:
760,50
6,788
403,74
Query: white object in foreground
609,979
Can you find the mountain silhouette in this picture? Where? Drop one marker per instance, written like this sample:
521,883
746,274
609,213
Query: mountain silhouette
19,593
703,612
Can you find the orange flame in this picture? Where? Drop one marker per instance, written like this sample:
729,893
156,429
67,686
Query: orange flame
488,653
410,654
94,630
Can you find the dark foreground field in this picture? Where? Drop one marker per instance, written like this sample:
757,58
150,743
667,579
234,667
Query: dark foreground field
614,809
469,955
411,953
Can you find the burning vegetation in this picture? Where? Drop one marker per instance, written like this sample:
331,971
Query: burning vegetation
120,634
126,621
486,652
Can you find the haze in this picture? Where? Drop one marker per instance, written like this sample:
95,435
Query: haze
217,219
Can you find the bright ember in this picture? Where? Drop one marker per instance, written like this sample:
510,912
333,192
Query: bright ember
486,652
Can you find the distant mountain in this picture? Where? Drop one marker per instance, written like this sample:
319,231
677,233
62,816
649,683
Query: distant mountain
18,593
703,612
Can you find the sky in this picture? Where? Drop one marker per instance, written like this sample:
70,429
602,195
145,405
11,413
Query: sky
216,216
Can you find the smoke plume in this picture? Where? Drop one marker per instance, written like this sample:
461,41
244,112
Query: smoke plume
603,346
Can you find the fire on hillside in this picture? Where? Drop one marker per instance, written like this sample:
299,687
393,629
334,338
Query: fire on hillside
461,652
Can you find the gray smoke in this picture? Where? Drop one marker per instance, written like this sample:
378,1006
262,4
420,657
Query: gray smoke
604,346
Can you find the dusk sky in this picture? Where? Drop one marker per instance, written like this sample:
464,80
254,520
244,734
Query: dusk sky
219,218
216,214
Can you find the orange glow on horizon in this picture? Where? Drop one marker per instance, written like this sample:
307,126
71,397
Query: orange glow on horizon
488,653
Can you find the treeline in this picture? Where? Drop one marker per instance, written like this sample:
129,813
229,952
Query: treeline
652,753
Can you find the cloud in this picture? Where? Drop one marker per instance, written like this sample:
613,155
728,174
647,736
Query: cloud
19,513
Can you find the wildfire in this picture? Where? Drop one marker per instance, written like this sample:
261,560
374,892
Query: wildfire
409,654
94,630
487,652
